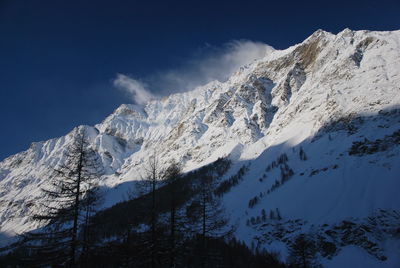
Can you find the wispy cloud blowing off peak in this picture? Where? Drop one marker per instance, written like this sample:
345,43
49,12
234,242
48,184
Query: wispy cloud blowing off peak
135,89
210,63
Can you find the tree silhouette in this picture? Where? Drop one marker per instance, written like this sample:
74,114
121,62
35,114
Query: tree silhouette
69,203
206,215
172,176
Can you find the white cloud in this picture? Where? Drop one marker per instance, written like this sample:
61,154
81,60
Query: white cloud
208,64
135,89
226,60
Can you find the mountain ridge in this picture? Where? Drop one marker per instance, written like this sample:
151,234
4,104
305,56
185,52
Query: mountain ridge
326,92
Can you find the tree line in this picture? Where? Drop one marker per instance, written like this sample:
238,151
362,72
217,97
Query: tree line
177,221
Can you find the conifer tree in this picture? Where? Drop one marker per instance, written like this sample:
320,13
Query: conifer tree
172,175
68,205
206,214
150,240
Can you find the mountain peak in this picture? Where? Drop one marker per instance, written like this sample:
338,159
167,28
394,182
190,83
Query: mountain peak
325,97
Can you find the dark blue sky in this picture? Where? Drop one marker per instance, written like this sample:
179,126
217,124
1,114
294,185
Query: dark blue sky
58,58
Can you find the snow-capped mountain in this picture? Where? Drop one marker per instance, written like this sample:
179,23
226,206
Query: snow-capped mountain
317,124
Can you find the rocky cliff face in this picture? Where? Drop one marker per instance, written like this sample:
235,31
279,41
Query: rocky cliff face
321,96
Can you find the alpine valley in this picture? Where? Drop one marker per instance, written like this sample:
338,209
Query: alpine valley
311,134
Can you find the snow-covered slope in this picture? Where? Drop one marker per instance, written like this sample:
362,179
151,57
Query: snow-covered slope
314,99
